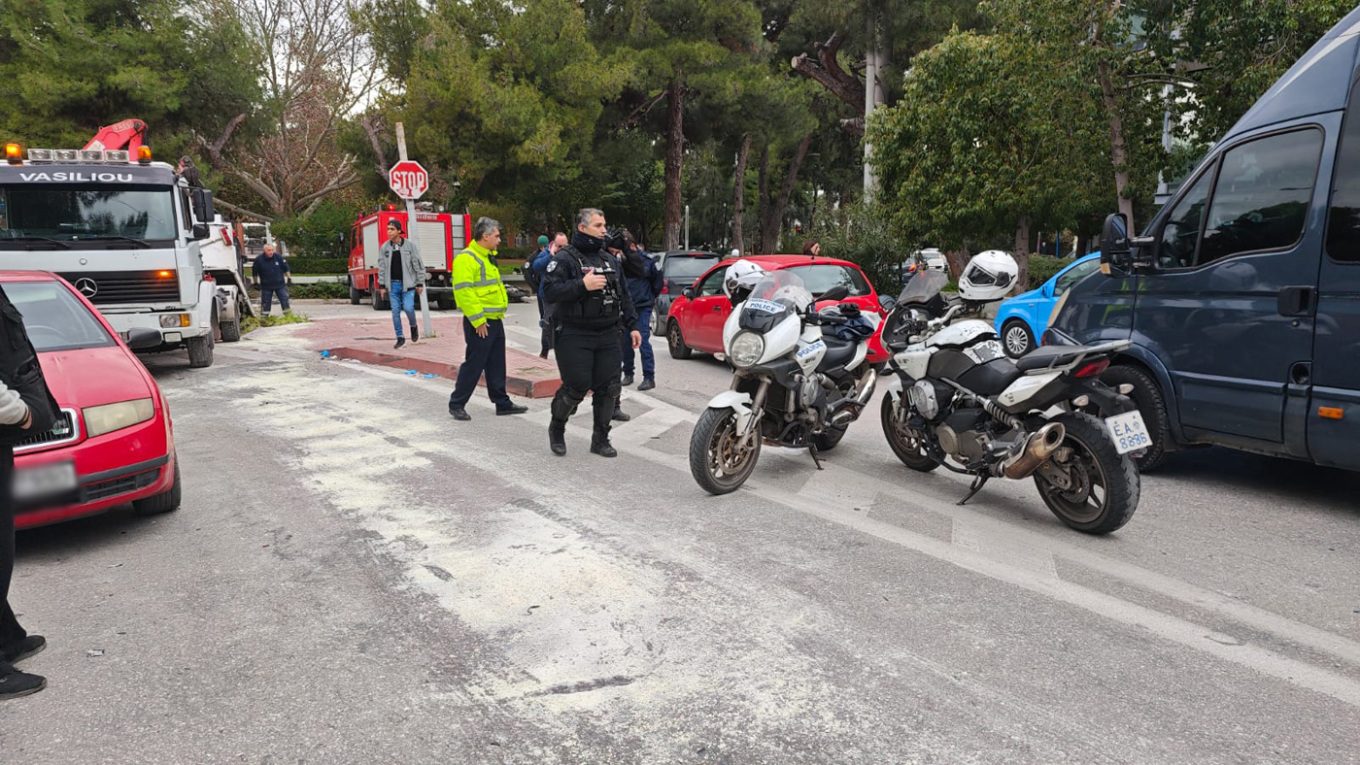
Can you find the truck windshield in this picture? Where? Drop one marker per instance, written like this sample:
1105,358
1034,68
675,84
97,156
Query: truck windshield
69,213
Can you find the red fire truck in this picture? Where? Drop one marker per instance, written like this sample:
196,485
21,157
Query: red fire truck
440,236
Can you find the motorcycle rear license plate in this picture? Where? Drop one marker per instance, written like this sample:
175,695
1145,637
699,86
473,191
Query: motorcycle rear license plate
46,480
1128,432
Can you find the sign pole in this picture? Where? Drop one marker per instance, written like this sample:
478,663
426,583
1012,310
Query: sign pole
413,231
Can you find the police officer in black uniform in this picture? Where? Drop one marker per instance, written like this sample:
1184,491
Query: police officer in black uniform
26,408
590,304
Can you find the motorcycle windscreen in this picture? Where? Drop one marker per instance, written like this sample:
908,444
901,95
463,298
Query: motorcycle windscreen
759,315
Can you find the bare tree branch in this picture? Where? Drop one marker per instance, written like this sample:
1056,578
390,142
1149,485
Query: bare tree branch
828,72
228,206
643,109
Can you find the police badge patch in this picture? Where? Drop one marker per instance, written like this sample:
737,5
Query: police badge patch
551,265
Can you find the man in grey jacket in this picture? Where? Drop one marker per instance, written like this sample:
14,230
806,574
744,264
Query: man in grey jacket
401,274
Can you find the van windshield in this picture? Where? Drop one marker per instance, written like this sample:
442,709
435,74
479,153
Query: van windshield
85,213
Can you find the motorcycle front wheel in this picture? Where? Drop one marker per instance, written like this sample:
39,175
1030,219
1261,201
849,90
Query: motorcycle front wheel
1102,484
716,458
907,443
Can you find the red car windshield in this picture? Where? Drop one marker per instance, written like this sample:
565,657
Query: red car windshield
54,318
822,277
687,268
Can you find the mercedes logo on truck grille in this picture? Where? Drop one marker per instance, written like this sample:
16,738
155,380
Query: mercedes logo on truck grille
87,287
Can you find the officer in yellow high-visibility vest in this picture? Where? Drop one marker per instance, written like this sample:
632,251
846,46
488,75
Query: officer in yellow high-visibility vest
481,296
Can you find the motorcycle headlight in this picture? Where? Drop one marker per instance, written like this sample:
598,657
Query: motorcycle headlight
110,417
747,348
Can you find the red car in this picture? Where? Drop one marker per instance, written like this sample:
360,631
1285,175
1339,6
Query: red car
697,316
113,443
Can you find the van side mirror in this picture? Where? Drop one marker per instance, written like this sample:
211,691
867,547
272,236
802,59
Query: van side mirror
1114,241
203,205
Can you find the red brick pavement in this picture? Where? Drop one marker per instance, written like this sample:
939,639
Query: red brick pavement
370,341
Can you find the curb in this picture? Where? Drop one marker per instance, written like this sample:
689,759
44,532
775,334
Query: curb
515,385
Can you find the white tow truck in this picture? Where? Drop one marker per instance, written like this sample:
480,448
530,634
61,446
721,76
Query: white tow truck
126,231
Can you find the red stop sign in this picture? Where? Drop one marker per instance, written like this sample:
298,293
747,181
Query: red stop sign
409,180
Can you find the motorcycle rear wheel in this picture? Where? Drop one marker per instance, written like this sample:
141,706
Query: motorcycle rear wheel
716,460
1105,487
907,443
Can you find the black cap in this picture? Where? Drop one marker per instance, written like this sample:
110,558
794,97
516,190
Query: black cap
394,223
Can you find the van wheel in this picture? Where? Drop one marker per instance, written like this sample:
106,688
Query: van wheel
1016,338
163,502
1147,396
676,342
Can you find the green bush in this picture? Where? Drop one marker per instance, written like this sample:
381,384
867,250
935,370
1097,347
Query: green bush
1042,268
514,253
321,266
866,240
321,290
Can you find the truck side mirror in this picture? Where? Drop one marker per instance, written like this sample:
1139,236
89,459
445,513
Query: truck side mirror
200,231
203,206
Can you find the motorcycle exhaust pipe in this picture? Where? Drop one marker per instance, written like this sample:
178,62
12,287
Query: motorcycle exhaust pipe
870,380
1036,451
855,405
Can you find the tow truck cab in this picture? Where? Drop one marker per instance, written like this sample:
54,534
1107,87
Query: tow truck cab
1242,298
124,231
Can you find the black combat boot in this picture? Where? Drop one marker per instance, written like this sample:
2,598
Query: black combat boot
557,437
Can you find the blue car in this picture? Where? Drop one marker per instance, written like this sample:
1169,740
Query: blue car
1021,320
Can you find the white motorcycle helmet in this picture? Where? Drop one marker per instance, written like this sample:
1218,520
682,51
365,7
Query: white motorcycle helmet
741,278
988,276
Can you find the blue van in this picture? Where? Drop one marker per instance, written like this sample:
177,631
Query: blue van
1242,297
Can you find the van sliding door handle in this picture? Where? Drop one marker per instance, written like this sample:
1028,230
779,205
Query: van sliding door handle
1297,301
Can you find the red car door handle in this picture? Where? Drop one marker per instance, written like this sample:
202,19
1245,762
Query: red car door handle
717,308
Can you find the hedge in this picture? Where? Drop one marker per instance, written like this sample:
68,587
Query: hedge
318,266
322,290
1042,268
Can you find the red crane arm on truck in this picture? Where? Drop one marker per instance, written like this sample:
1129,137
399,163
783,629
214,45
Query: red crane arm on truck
127,134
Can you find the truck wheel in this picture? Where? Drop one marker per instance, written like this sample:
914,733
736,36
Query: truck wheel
1148,398
161,503
201,349
231,330
444,302
354,294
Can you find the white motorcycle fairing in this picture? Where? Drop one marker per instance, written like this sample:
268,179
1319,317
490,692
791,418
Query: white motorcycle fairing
961,335
778,341
738,402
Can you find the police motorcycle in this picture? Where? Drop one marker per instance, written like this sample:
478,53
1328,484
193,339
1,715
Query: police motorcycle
956,400
801,376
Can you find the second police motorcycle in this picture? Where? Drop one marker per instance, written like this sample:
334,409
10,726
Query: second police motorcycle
957,401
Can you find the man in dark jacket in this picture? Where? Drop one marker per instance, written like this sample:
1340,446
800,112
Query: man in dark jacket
26,406
645,282
590,303
270,273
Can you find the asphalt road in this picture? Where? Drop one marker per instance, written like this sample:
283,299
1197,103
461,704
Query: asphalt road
354,577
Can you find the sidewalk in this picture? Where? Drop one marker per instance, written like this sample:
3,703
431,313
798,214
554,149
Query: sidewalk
370,341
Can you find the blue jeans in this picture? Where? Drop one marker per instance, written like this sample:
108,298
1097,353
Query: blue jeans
267,294
402,300
644,325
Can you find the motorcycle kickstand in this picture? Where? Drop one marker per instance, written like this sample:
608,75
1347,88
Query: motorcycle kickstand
978,483
812,450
